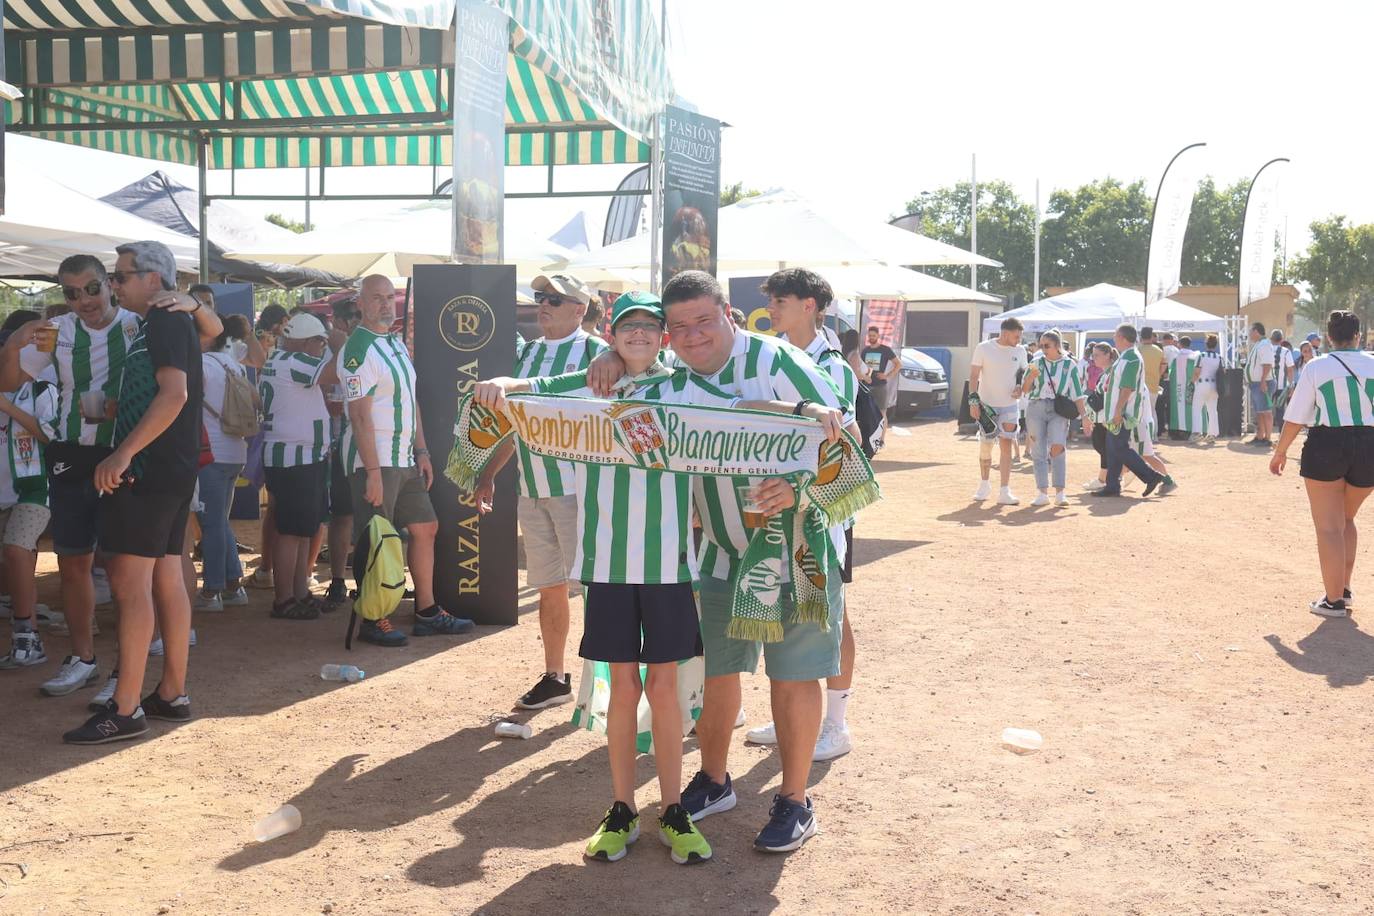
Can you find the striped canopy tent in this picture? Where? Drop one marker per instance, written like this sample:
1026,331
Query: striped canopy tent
277,84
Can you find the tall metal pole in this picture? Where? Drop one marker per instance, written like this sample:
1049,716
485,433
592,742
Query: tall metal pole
307,198
655,176
203,207
973,226
1035,288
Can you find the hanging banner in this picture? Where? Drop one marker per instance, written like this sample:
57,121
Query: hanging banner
1257,234
479,132
1169,224
747,295
465,332
691,191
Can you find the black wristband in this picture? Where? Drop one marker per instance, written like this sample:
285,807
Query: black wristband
796,411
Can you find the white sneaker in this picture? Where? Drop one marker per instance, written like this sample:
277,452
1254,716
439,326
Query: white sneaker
101,581
763,734
26,649
832,742
105,695
1007,498
1061,498
1041,499
71,677
208,603
236,598
1321,608
740,719
983,492
156,647
1093,485
261,578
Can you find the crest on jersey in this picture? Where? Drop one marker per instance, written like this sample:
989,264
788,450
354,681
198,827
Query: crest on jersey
352,363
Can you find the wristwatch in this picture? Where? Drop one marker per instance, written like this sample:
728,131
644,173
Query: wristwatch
801,405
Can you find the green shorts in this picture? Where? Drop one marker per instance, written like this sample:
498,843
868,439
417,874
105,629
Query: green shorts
806,653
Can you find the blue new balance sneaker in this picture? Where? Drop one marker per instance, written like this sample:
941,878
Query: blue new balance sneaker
790,824
702,797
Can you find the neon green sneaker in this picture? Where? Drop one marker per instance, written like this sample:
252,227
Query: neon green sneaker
619,828
678,833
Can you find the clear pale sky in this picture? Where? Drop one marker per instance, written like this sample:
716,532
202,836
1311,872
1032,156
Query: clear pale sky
862,104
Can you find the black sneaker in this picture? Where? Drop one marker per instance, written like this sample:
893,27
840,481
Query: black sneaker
1328,608
177,710
1152,485
382,633
107,726
550,690
337,594
702,797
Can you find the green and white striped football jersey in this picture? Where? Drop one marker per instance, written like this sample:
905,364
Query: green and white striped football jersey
544,358
1327,395
23,478
1067,377
760,368
1125,373
378,366
295,422
833,363
85,360
634,526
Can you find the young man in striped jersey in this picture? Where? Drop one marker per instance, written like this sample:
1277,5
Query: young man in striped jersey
384,450
1124,406
547,506
295,457
797,300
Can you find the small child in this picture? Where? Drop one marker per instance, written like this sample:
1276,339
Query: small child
24,513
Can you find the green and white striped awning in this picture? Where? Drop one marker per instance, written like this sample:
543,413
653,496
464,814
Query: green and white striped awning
272,84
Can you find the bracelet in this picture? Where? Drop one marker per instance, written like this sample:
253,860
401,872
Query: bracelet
796,411
422,452
198,305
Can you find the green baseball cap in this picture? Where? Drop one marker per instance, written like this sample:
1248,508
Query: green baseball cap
636,301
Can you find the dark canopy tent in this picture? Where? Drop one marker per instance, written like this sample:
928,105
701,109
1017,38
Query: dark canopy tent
161,199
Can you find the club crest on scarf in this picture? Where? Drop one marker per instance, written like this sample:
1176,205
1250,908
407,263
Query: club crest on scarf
637,430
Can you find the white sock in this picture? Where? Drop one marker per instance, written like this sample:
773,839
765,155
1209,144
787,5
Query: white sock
835,703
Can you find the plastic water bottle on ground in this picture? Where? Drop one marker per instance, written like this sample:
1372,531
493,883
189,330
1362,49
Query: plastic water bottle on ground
1022,740
349,673
286,819
513,730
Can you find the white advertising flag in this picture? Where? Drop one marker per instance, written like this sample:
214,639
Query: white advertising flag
1258,233
1169,224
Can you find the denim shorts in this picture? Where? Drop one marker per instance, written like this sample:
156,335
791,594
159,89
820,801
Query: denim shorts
1259,397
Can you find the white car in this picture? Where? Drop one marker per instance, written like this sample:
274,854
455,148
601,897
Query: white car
922,384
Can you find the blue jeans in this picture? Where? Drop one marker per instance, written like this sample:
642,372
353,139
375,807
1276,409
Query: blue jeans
218,546
1119,452
1048,429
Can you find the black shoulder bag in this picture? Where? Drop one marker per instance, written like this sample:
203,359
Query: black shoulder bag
1063,405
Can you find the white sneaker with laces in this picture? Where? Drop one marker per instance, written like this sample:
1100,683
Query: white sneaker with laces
25,650
71,677
832,742
1321,608
156,647
208,603
1041,499
1007,498
1061,498
105,695
1093,485
766,733
983,492
236,598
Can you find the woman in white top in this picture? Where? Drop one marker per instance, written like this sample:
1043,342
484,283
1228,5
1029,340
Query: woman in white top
219,548
1334,399
1051,374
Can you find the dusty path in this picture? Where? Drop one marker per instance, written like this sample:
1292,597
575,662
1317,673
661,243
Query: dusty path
1207,741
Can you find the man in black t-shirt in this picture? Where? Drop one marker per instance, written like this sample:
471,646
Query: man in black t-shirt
147,482
884,366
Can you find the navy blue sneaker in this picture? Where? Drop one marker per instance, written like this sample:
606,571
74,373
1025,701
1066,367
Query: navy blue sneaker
702,797
107,726
381,633
439,622
790,824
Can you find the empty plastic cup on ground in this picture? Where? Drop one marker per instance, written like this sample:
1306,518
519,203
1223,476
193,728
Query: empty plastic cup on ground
284,820
513,730
1022,740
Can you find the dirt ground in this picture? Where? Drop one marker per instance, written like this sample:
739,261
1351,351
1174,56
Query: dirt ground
1207,740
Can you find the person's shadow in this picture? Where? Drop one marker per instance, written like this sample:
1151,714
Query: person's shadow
1337,650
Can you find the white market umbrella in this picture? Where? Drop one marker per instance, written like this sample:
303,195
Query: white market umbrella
393,243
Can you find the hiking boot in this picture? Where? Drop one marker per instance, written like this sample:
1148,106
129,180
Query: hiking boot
71,677
26,649
550,690
108,725
790,824
174,710
618,829
439,622
702,797
679,834
382,633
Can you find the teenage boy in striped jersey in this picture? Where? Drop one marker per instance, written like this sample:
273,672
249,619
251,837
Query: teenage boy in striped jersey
797,300
547,506
384,450
295,457
1124,406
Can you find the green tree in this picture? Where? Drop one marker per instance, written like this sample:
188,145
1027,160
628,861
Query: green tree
1006,233
291,225
1338,267
1211,248
734,193
1100,235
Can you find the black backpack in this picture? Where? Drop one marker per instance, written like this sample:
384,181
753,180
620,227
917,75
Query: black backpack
867,414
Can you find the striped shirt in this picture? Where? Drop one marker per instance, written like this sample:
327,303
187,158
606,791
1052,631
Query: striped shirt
1068,380
759,368
1261,355
86,360
22,476
833,363
1210,363
1283,367
634,526
543,358
295,422
1327,395
378,366
1125,373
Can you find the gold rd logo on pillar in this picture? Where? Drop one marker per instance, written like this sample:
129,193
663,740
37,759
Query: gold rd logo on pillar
466,323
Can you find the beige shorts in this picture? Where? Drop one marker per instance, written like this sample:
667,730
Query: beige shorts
22,524
549,526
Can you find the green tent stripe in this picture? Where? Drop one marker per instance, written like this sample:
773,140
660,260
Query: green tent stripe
176,49
408,83
355,41
302,106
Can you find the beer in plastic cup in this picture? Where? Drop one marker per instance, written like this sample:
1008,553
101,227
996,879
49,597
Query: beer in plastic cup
286,819
753,513
93,406
45,338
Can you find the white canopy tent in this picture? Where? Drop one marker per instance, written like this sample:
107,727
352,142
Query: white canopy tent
45,222
1102,308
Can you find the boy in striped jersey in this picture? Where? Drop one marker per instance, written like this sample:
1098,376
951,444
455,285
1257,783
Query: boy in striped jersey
295,457
384,451
28,415
547,507
1124,406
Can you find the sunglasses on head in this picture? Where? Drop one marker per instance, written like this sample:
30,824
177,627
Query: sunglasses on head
551,299
119,277
72,293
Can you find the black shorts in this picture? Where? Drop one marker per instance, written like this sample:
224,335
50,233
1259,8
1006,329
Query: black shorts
73,499
1339,453
847,570
340,492
653,624
301,497
143,522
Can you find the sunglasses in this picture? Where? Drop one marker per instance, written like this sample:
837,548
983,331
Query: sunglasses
548,298
119,277
72,293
